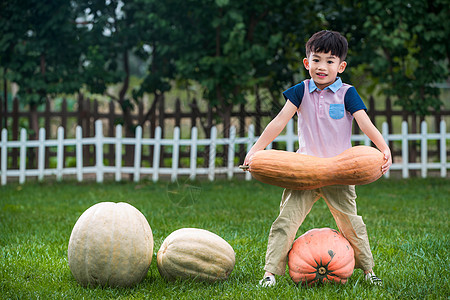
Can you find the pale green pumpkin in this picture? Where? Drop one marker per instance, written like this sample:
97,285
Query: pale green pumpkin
111,244
192,253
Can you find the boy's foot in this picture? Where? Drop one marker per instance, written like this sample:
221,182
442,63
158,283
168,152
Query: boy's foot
373,279
267,281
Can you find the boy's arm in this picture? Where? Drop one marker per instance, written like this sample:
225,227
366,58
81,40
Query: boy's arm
375,136
273,129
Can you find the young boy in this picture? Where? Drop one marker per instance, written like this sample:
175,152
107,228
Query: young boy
325,107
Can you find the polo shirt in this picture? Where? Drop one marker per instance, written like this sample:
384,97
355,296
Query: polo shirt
325,116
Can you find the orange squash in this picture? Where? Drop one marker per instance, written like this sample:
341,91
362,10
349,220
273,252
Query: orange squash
355,166
320,256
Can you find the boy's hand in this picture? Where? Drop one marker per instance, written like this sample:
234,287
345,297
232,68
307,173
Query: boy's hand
247,159
387,161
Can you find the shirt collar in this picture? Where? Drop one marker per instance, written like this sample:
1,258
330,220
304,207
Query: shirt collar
333,87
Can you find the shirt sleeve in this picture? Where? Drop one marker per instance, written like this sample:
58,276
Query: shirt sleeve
295,94
353,101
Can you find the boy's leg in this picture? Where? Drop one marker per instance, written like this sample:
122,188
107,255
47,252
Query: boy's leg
341,201
294,207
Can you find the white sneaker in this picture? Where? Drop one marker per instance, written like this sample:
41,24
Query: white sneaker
267,281
373,279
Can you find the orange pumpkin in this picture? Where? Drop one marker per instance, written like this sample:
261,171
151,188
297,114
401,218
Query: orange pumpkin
356,165
321,255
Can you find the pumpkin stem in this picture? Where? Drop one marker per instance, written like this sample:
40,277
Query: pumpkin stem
322,270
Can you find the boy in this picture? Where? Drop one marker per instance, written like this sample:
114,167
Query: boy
325,107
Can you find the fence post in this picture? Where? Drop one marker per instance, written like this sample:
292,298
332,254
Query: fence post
156,154
175,153
212,153
424,149
79,152
137,153
118,159
23,155
443,149
4,154
60,154
193,154
231,150
405,152
99,150
41,154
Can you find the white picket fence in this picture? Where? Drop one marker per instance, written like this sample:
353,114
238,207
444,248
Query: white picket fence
138,171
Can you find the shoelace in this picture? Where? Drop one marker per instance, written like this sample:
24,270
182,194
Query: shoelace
373,278
267,281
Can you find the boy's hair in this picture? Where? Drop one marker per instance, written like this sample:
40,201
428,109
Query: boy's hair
325,41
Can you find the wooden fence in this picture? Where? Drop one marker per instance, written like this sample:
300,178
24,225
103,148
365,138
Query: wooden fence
85,112
140,168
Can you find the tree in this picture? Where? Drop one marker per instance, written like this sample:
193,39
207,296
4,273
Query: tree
233,47
159,45
111,37
229,47
403,44
40,49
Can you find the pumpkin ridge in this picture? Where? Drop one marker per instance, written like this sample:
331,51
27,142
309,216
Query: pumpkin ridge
305,256
86,252
179,266
189,245
110,258
77,237
204,259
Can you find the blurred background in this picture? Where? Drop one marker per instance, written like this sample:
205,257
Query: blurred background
208,63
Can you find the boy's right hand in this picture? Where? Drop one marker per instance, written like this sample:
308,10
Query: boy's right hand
248,158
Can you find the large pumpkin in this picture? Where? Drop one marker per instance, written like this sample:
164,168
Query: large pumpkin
192,253
321,255
356,165
111,244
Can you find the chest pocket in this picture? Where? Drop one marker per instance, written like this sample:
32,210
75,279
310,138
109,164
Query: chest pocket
337,111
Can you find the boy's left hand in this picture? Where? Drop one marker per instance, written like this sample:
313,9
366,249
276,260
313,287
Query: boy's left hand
387,161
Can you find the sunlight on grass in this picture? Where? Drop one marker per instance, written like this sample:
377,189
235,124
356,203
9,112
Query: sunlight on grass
407,221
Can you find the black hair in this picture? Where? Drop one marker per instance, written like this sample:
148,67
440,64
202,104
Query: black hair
325,41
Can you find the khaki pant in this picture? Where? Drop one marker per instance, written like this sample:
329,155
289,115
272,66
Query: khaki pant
294,207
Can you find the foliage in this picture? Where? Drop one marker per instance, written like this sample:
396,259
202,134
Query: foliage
229,47
404,44
40,48
407,221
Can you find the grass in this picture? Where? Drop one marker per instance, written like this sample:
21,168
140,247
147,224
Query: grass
407,222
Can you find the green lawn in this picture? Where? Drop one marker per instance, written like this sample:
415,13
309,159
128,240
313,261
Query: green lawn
407,222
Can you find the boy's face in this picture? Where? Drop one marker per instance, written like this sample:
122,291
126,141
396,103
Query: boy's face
323,68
